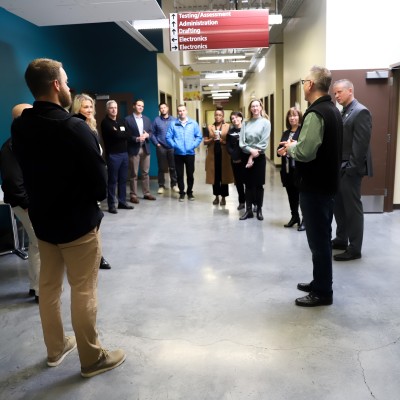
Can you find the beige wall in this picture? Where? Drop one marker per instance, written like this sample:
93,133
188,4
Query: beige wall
305,46
169,80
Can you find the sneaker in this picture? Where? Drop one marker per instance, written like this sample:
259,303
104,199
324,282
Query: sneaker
191,197
107,361
182,197
175,189
69,345
160,190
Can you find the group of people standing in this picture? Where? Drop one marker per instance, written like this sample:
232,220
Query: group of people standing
127,143
236,153
50,144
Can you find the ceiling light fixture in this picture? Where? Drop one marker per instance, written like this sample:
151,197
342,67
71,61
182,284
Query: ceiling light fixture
229,75
217,96
130,30
151,24
216,85
222,57
275,19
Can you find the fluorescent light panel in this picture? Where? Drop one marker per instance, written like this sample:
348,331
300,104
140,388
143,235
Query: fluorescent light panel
216,85
150,24
229,75
128,28
222,57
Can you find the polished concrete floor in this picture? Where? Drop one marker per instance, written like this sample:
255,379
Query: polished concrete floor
203,304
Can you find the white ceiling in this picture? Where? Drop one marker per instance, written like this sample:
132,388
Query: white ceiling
67,12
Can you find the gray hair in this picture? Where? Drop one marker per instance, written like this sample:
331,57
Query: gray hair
109,102
322,78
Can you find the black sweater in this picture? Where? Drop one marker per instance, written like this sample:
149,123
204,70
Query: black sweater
12,179
115,137
64,173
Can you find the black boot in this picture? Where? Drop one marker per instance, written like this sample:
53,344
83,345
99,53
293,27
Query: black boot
247,214
294,220
301,227
249,203
259,202
104,264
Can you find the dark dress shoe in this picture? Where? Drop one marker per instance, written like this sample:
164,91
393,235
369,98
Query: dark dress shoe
293,221
259,214
216,201
338,245
304,287
301,227
31,292
247,214
125,206
149,197
104,264
134,200
314,300
240,206
346,256
113,210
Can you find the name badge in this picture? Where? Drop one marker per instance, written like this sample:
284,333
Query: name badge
122,128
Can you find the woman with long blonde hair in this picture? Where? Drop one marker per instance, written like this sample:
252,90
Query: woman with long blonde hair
84,105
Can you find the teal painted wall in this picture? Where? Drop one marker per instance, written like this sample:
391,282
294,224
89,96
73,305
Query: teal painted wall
99,58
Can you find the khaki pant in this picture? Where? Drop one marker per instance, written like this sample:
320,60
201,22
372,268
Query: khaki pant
80,258
33,249
143,160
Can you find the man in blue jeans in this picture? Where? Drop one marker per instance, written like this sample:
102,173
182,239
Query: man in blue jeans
318,153
165,153
115,138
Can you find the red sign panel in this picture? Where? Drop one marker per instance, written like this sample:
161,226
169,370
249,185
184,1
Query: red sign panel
207,30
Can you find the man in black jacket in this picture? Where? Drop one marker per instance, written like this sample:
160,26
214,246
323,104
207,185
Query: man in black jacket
65,177
15,195
318,154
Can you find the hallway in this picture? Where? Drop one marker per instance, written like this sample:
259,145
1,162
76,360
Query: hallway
203,304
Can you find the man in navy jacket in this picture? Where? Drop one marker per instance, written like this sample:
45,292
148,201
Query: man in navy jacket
139,128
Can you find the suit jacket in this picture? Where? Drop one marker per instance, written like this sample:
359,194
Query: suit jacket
357,129
133,130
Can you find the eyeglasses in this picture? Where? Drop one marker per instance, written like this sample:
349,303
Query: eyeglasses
303,81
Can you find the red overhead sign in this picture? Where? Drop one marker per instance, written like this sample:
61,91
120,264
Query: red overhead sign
207,30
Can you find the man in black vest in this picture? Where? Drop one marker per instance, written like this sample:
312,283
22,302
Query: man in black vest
318,153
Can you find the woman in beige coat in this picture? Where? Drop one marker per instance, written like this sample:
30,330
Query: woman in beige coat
218,163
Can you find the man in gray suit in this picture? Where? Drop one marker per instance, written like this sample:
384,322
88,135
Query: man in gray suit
356,163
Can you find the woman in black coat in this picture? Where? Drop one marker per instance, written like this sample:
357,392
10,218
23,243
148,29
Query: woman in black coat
294,118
